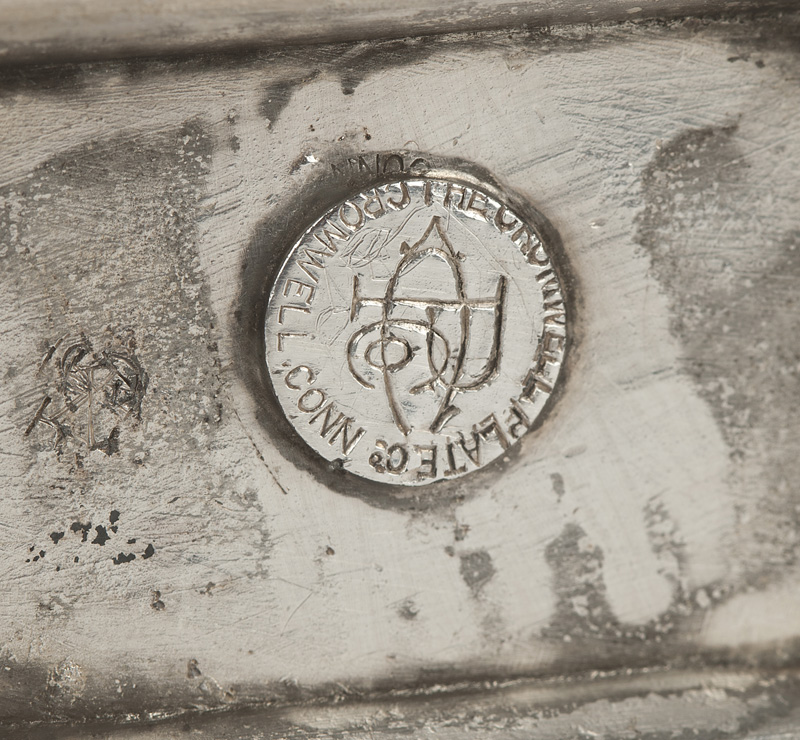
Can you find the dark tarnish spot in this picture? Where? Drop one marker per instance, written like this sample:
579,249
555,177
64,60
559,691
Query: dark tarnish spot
156,603
113,517
149,551
664,535
735,309
56,536
277,96
81,527
355,65
110,445
123,558
102,535
581,606
477,569
352,62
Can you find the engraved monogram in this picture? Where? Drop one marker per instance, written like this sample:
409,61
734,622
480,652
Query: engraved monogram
386,346
416,331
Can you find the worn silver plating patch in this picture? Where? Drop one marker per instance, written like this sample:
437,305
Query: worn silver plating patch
416,331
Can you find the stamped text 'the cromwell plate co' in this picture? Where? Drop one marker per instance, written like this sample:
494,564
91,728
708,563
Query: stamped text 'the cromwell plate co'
416,331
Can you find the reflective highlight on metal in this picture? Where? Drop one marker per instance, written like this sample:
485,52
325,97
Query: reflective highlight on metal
416,331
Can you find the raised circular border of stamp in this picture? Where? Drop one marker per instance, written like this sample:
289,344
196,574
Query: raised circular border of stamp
310,193
334,418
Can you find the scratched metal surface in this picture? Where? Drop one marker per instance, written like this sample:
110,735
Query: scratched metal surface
172,552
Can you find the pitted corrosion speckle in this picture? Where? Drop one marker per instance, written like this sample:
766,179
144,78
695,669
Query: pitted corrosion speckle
99,262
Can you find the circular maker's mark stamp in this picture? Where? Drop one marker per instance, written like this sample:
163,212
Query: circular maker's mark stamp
416,331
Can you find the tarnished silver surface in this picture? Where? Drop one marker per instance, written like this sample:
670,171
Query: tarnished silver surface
79,30
170,547
416,331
